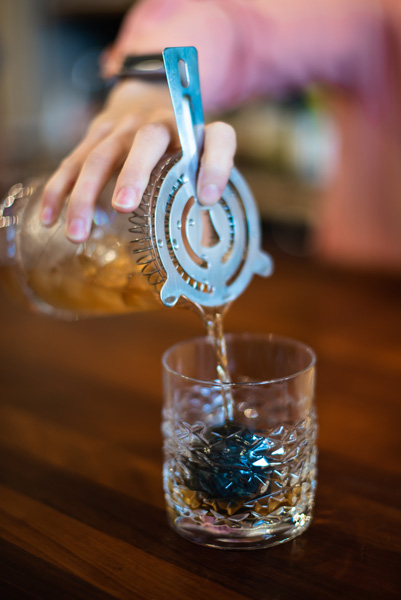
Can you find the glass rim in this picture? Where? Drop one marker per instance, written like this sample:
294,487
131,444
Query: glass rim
266,336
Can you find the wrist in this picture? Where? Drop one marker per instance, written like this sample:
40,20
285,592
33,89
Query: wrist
128,89
140,97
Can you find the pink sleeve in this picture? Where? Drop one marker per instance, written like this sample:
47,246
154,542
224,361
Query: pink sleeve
250,48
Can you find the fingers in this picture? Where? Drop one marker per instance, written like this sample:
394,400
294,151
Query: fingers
106,148
149,145
86,171
216,163
63,180
97,169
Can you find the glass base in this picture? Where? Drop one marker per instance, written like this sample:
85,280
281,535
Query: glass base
223,537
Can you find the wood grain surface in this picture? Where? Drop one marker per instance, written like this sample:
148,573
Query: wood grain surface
81,504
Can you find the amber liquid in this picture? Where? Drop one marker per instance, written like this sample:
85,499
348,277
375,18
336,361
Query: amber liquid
101,279
213,320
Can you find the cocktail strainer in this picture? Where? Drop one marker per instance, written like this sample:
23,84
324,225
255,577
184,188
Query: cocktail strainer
207,255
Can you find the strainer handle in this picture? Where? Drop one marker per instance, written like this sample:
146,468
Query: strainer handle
181,66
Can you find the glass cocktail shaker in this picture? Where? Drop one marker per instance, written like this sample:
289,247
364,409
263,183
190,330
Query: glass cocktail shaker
60,278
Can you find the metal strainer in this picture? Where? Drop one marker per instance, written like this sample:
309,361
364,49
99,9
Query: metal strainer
207,255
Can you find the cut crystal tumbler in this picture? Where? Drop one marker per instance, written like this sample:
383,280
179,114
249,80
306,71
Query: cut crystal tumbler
248,480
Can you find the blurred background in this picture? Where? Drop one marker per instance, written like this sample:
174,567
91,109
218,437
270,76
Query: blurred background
50,89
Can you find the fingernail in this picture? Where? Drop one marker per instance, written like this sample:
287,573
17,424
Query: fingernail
76,230
47,216
125,198
210,194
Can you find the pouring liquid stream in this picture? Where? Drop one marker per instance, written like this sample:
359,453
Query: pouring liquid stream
213,321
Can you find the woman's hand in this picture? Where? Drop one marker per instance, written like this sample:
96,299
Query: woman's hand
131,134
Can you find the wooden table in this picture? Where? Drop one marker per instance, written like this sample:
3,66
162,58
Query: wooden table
81,503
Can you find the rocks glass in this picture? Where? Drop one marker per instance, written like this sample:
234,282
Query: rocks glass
247,481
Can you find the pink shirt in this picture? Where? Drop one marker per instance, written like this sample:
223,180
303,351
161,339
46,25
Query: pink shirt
254,48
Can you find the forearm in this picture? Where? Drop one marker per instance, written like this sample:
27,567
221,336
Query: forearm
253,48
